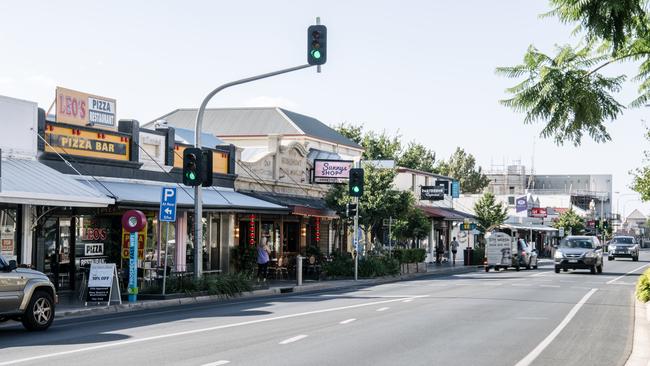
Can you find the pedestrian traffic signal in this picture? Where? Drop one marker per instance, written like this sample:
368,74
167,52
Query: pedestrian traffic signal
351,209
356,182
317,44
192,166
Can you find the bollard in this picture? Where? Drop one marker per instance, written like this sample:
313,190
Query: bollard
299,270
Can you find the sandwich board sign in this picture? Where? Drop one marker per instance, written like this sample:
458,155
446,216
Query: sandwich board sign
103,285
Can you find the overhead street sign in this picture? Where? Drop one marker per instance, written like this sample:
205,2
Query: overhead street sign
168,204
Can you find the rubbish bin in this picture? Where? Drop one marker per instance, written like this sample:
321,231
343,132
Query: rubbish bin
468,254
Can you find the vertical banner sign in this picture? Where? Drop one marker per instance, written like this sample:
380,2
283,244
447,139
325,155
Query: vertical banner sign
133,221
521,204
455,189
133,267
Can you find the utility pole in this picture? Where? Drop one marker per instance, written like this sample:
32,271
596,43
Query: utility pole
356,240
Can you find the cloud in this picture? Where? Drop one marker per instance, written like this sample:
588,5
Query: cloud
266,101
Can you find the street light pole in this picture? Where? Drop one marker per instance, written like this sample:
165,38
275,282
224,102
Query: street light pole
198,192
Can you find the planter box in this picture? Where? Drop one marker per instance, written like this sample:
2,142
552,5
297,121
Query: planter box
406,268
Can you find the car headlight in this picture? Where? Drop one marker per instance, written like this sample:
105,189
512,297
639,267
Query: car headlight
611,248
590,255
559,255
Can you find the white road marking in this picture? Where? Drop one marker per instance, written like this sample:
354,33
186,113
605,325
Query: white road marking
619,277
193,331
383,309
539,274
552,286
348,321
540,347
218,363
408,300
294,339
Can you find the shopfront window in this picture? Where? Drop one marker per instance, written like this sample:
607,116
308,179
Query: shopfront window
210,243
8,234
271,235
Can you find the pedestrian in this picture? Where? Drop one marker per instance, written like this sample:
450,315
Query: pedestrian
454,250
263,251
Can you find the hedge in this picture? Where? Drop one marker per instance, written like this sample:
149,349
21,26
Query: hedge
643,287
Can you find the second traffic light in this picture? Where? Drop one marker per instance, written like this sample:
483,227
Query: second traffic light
192,166
356,182
351,209
317,44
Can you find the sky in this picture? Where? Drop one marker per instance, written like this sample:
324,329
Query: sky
420,69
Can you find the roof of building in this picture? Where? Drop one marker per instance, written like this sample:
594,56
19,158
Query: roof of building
299,205
186,136
636,215
445,213
27,181
237,122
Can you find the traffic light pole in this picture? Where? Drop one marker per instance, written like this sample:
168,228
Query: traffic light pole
356,240
198,193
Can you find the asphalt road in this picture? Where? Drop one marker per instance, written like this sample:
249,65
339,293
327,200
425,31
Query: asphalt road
532,317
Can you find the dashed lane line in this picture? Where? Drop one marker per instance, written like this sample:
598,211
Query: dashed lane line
293,339
348,321
383,309
218,363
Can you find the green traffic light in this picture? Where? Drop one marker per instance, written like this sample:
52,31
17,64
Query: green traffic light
355,189
191,176
315,54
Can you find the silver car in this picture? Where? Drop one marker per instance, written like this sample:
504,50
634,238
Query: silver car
579,252
623,246
26,295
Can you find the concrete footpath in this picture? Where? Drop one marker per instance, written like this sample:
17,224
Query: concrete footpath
640,355
275,289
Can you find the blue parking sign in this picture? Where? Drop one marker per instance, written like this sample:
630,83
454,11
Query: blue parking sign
168,204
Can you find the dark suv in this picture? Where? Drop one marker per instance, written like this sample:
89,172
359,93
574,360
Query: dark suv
579,252
623,246
26,295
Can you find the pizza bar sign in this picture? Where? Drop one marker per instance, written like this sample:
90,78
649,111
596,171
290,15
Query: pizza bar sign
84,109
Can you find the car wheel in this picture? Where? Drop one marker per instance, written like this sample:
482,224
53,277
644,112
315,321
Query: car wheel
528,266
592,269
40,312
487,268
599,269
610,258
517,268
636,259
557,269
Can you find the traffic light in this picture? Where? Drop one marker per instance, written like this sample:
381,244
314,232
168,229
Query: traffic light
192,164
207,168
356,182
351,210
317,44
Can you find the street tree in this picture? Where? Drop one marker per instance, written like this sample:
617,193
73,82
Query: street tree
489,213
641,180
415,225
567,90
419,157
381,146
351,131
462,167
571,222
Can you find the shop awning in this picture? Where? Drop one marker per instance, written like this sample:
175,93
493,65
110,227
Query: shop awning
134,193
27,181
299,205
517,226
445,213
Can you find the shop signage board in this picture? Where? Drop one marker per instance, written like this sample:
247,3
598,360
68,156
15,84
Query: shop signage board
455,189
88,261
103,284
468,226
142,238
521,204
332,171
93,249
93,143
84,109
539,212
168,204
432,193
444,184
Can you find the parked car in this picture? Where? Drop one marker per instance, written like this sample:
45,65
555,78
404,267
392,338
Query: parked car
26,295
623,246
579,252
526,254
502,251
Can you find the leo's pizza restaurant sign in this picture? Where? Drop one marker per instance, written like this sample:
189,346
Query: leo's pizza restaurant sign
84,109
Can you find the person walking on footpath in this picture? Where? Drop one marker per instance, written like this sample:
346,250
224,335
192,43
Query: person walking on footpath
263,252
440,250
454,250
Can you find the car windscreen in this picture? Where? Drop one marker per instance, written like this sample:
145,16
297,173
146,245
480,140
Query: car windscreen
577,243
622,240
